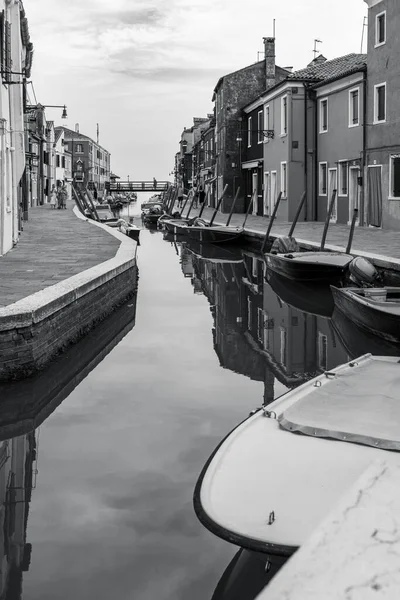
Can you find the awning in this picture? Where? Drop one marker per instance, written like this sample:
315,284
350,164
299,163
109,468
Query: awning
252,164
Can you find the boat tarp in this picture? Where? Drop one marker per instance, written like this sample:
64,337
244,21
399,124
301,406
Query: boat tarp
360,405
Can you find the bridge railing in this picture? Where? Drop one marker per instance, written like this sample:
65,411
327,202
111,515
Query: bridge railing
137,186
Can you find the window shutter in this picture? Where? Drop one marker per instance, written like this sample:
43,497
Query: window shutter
396,177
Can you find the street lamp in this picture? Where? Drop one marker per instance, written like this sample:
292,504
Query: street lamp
32,107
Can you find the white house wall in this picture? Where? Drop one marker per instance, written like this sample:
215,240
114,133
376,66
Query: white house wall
12,147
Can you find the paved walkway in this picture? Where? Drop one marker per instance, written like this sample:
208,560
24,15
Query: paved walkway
367,241
54,245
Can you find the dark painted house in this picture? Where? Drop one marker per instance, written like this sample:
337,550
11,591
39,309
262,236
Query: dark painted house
232,92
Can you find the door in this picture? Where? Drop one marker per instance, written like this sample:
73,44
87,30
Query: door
273,192
332,185
254,192
267,195
354,192
374,212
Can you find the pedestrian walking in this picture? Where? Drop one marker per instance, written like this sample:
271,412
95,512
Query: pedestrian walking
53,197
63,196
202,194
58,195
180,196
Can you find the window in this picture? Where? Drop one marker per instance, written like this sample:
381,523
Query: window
284,179
63,162
267,122
323,115
90,148
260,325
354,107
322,351
395,176
79,148
58,160
380,103
323,178
249,315
284,115
343,178
380,29
260,127
283,340
249,132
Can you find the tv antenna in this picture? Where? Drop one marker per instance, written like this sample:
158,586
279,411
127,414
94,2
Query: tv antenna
316,51
365,24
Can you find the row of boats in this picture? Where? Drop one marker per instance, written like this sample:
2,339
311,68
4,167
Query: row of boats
273,479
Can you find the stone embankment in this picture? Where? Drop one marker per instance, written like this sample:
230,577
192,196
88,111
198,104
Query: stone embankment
72,295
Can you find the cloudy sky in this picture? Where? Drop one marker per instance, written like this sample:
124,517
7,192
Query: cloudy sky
143,69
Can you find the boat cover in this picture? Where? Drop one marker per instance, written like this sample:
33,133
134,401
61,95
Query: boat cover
355,405
328,258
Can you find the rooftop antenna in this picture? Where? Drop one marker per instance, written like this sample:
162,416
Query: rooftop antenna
273,35
316,51
365,24
98,133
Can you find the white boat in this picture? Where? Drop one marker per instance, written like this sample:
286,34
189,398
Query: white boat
276,476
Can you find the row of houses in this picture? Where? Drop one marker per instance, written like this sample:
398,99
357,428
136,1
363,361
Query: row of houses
35,155
334,125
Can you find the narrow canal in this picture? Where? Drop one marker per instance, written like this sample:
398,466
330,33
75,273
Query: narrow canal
101,452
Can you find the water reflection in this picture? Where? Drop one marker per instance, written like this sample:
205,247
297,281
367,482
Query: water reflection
261,328
23,408
246,575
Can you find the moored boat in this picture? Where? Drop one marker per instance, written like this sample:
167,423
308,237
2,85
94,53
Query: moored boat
375,309
128,229
267,488
309,266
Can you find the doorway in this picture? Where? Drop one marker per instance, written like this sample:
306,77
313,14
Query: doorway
354,193
254,192
332,185
267,195
272,195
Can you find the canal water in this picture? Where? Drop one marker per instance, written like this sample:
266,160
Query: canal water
101,452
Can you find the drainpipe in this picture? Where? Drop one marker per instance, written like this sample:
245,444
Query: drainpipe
364,150
315,153
305,150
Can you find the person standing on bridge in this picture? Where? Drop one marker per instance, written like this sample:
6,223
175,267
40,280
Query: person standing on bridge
154,183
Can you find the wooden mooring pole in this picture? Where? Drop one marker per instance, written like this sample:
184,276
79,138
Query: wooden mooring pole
271,222
328,218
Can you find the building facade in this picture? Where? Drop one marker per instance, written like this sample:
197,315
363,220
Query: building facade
90,162
16,62
310,129
382,165
231,94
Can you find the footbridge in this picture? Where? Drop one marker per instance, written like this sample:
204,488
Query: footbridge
137,186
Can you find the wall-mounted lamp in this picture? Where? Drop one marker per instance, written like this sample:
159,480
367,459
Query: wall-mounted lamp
31,108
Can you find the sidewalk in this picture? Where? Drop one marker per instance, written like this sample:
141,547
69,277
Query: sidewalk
65,275
54,245
383,247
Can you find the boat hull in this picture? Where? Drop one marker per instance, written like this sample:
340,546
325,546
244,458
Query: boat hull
215,235
370,318
204,235
267,489
309,266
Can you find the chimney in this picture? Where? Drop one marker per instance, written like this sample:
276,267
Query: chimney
269,53
76,127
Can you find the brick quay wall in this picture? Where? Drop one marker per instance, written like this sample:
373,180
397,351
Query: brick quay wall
36,329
